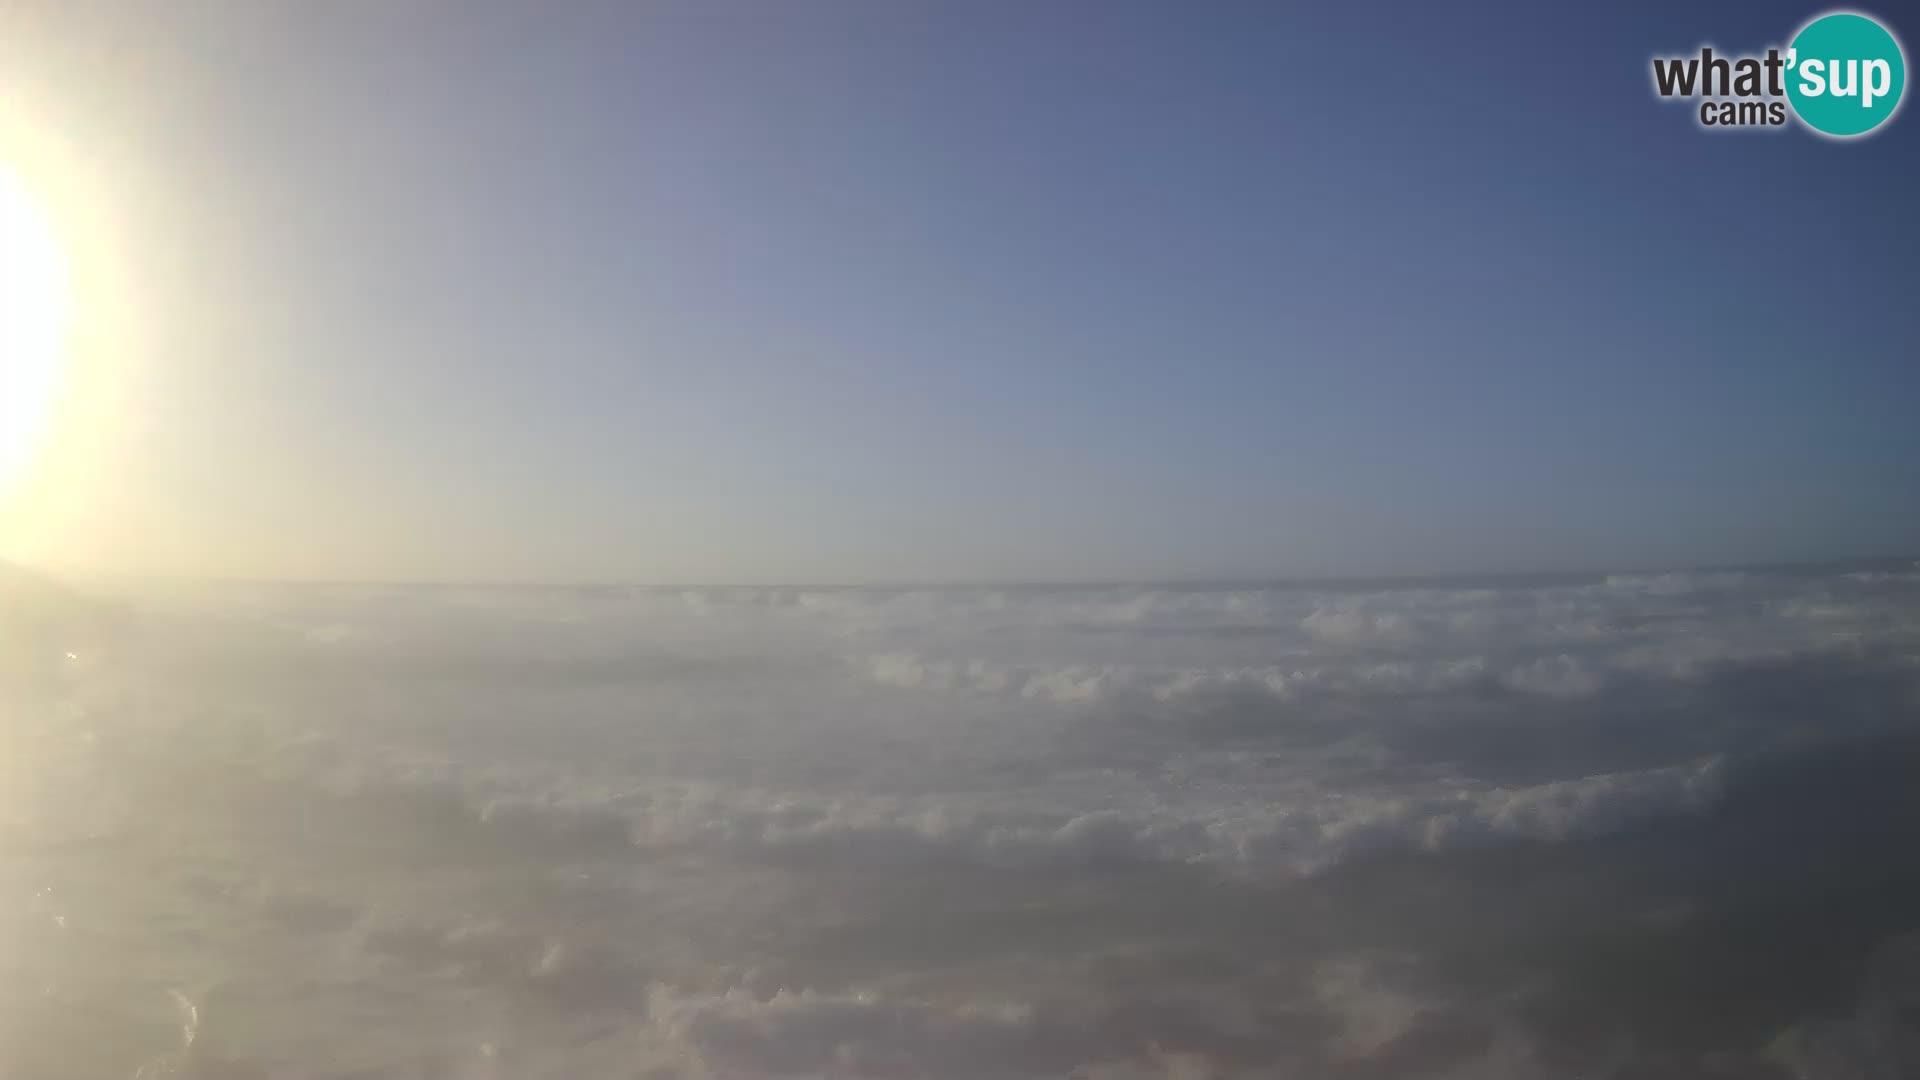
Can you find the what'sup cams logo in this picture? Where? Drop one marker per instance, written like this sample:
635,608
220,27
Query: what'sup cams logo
1842,76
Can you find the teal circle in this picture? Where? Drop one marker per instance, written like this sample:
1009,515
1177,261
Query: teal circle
1849,51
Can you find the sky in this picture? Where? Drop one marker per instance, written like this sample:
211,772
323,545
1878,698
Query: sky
710,292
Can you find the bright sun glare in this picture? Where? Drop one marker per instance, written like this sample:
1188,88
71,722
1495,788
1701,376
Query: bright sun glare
34,305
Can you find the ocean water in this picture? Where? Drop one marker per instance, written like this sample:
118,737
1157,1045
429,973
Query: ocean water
1651,825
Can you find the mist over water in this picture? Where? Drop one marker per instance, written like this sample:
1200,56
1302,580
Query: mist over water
1652,825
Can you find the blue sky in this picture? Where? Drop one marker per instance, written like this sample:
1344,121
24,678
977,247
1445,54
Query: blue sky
980,291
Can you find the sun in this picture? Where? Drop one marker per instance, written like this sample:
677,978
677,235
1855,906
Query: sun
34,308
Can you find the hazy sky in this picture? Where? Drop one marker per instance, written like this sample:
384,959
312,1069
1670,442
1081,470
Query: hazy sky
881,291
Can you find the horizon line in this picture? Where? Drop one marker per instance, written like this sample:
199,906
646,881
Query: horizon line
1197,582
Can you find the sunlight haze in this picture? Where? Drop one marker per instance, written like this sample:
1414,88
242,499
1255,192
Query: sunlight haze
958,540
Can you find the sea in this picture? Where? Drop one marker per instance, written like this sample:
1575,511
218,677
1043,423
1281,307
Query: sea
1631,826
